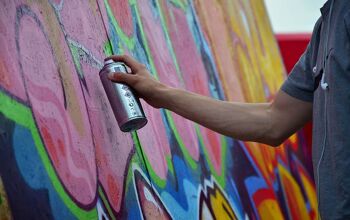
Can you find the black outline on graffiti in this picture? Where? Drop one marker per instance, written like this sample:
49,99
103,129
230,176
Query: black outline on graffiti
210,188
137,173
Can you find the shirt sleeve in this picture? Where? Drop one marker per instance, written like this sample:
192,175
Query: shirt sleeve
300,83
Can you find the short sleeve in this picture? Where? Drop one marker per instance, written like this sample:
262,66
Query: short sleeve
300,83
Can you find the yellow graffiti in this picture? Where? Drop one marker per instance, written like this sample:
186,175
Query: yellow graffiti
270,209
246,54
293,194
5,213
215,204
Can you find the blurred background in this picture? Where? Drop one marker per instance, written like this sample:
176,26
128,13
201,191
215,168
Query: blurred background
293,22
293,16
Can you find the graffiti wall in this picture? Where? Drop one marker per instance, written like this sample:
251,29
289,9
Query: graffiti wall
62,155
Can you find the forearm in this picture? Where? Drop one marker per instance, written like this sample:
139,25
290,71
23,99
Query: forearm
243,121
268,123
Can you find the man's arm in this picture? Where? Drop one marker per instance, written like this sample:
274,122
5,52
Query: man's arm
269,123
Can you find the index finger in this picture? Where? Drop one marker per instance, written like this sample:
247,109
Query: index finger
128,60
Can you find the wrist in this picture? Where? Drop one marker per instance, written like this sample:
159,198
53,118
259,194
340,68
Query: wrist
165,96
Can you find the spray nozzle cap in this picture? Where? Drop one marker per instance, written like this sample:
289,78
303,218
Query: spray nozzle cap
109,61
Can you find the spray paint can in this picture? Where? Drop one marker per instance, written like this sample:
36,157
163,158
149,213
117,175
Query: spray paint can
125,104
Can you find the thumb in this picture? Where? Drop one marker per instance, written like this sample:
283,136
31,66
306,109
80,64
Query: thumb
122,78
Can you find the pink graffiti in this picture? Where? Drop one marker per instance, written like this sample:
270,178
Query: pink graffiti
59,110
167,73
71,110
113,148
78,23
10,78
193,72
122,14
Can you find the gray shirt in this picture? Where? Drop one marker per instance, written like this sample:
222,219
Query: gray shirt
331,107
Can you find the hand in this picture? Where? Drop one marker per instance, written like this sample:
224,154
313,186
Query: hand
140,79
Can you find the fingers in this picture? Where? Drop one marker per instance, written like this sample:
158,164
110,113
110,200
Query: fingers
128,60
122,78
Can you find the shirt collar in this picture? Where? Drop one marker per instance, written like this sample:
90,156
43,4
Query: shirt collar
325,8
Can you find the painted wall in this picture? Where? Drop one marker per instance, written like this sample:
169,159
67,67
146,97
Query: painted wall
62,155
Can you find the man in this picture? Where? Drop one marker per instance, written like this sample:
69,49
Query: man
317,87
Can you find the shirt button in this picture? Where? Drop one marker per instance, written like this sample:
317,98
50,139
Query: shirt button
314,69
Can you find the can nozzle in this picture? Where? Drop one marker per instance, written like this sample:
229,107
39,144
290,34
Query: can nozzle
109,61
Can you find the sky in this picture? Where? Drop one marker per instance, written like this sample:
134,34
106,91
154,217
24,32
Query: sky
293,16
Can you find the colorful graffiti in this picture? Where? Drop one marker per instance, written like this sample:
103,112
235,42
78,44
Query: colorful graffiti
5,212
62,155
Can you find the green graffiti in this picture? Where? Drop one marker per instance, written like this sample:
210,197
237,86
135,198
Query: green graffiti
154,177
153,69
107,48
169,162
193,164
105,202
134,160
180,4
75,54
183,148
169,43
130,44
220,178
129,41
189,159
22,115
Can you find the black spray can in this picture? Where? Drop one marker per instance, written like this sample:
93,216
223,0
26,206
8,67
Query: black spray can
125,104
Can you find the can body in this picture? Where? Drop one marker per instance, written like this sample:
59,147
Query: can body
125,104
